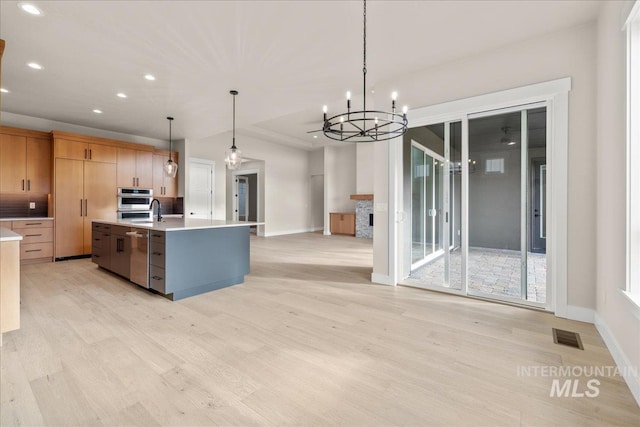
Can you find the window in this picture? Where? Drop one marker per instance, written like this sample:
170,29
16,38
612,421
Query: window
495,166
633,153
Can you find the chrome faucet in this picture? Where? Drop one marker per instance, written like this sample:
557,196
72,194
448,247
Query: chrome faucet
159,208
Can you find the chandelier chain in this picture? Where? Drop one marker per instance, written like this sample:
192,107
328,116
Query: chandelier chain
364,55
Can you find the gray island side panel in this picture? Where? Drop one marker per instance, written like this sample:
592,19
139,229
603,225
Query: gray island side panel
203,260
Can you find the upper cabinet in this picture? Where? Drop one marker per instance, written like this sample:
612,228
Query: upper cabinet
163,185
80,150
25,161
135,168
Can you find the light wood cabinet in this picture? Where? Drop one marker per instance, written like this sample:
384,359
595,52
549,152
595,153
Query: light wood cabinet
84,190
343,223
163,185
80,150
135,168
37,240
9,286
25,162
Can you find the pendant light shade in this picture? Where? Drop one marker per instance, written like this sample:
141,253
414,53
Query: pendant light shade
170,167
233,156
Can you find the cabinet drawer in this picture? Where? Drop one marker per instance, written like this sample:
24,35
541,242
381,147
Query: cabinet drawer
100,227
35,235
157,236
37,223
100,240
36,250
156,279
156,257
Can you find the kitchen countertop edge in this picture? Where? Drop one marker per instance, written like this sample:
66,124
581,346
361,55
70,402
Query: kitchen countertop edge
7,235
177,224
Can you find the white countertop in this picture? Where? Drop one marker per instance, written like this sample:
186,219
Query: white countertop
180,224
7,235
32,218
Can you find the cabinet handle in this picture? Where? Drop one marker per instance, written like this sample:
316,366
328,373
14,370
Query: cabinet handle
156,253
33,250
96,255
90,154
156,277
33,223
85,153
32,235
81,208
133,180
28,185
85,207
23,185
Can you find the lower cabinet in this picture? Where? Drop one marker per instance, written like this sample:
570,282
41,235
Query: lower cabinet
343,223
157,261
101,245
37,240
120,251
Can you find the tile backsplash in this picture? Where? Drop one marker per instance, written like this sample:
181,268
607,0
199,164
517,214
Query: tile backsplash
17,205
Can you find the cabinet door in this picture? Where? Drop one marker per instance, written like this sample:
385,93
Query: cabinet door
13,160
158,174
69,208
126,167
67,149
120,254
38,165
144,169
100,194
102,153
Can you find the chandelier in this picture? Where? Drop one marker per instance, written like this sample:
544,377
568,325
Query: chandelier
365,125
170,167
233,156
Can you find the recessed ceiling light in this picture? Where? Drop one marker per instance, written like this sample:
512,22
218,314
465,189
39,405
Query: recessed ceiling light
97,111
315,136
149,77
30,8
34,65
3,90
121,95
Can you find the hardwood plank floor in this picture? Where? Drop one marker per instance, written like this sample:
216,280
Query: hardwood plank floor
306,340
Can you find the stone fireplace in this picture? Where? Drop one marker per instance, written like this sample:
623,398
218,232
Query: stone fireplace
364,215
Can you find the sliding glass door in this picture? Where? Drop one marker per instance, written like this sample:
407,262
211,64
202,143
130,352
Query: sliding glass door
478,204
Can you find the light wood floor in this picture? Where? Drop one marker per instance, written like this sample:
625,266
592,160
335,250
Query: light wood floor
306,340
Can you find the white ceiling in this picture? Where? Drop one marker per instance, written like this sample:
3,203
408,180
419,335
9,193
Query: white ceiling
286,58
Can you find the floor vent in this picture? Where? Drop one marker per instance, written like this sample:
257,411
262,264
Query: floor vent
571,339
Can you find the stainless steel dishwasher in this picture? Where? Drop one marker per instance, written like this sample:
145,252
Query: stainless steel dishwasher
139,259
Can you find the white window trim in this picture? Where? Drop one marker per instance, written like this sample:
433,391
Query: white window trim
632,27
556,94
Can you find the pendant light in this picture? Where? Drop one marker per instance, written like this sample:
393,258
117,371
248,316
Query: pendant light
233,156
170,167
365,125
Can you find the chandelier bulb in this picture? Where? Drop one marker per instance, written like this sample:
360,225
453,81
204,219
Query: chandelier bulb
394,95
348,95
405,109
324,109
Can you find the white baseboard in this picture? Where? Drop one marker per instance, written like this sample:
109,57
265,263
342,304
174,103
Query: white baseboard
580,314
621,359
382,279
285,232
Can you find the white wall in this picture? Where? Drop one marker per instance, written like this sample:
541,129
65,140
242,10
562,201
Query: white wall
339,179
364,168
567,53
615,314
286,179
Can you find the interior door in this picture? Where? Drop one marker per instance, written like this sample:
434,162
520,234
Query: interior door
200,190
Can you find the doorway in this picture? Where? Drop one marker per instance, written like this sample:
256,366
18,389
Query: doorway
491,243
245,196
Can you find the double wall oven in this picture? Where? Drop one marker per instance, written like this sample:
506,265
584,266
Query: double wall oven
134,204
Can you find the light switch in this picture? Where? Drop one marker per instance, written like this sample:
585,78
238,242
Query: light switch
32,205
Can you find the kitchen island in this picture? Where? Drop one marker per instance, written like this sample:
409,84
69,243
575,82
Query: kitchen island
175,257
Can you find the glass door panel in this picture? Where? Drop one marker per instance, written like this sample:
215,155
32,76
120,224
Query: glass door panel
418,208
